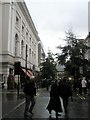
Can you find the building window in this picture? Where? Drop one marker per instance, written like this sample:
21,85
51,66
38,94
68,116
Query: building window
17,21
30,40
22,48
26,52
32,57
22,29
27,35
30,54
16,44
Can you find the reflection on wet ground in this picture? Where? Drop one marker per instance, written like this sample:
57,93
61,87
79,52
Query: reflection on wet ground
10,100
76,109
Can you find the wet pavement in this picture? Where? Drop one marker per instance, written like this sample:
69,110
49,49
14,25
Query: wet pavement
10,101
14,108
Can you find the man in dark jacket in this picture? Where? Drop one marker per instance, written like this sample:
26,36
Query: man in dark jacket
30,92
65,92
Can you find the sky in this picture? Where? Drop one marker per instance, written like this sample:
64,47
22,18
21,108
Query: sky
52,18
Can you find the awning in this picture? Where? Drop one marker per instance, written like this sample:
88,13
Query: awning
28,72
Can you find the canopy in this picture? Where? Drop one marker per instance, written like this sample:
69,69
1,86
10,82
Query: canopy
28,72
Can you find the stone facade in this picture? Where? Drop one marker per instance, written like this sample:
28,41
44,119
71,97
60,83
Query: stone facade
87,42
41,53
87,39
17,33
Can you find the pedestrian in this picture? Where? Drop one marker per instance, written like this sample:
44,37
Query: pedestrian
11,81
80,86
47,85
30,92
65,91
54,102
75,86
84,85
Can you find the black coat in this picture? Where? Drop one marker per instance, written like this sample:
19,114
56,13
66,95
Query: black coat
65,90
54,102
29,88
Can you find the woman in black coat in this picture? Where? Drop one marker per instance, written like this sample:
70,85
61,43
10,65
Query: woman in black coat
54,103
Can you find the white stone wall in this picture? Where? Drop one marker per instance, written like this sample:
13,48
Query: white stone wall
0,57
1,38
18,30
89,28
87,39
25,36
0,28
5,28
89,16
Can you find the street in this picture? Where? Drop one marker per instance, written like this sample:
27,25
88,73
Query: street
13,108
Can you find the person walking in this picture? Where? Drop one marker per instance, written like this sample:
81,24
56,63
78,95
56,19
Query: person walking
30,92
65,92
80,86
84,85
54,102
11,81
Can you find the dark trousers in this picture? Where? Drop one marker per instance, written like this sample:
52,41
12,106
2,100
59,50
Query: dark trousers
84,90
80,90
65,103
29,103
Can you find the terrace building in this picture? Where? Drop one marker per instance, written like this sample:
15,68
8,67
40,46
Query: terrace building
19,39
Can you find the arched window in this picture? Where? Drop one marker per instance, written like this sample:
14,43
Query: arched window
30,55
16,44
22,49
26,55
26,50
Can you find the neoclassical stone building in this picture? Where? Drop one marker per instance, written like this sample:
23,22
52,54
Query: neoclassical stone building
87,39
18,38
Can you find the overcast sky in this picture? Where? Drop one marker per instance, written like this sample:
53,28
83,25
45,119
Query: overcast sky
53,17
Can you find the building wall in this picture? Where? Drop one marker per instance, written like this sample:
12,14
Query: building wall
18,30
88,38
1,37
87,42
89,16
41,53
